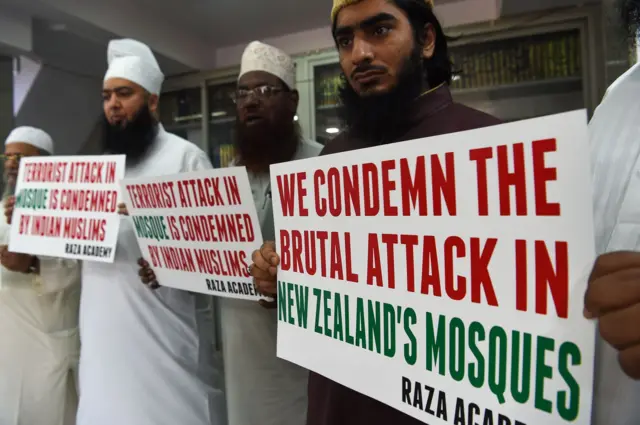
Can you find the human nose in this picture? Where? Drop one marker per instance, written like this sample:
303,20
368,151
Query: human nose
11,162
111,102
362,51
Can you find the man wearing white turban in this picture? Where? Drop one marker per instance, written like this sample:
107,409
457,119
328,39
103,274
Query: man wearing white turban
39,299
146,356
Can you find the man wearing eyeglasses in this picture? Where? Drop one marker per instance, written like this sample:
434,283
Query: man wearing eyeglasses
260,388
39,302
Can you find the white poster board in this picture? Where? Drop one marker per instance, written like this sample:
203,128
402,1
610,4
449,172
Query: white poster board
445,276
67,206
197,230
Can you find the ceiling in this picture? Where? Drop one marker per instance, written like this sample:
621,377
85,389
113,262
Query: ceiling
230,22
190,32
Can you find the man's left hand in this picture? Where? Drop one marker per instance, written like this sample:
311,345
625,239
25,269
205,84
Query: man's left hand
613,297
14,261
122,209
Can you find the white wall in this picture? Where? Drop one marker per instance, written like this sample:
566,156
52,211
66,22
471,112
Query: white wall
65,105
25,73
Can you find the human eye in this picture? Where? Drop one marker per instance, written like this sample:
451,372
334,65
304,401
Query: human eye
344,42
382,30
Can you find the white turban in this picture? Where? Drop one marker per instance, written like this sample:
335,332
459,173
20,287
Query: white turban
262,57
134,61
32,136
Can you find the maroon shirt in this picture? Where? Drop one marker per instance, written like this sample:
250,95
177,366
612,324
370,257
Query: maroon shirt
330,403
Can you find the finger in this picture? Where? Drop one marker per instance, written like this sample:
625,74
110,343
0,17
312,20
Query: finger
154,285
142,262
612,292
620,328
630,361
268,251
142,272
613,262
259,262
268,304
145,279
151,276
268,288
261,274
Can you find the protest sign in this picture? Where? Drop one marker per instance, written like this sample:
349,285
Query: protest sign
67,206
197,230
445,276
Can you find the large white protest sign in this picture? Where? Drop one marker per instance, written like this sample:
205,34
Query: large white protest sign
445,276
67,206
197,230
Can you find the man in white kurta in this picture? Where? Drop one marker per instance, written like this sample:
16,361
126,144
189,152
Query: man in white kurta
146,355
39,299
615,143
261,388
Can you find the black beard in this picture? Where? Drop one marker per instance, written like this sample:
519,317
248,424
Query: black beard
132,140
380,118
270,143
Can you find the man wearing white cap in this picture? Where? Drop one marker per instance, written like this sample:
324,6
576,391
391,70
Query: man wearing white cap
146,355
266,133
39,299
260,388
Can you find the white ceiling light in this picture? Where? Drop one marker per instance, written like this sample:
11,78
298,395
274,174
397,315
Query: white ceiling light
332,130
295,118
218,114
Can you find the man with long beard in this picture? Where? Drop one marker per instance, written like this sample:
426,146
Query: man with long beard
146,356
266,133
260,388
39,301
397,71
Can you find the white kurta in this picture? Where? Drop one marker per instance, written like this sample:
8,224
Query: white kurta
40,342
615,144
261,389
147,355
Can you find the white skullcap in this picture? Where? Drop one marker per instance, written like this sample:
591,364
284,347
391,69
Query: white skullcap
134,61
32,136
262,57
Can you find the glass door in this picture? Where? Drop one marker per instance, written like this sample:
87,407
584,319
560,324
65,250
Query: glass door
327,103
222,120
181,113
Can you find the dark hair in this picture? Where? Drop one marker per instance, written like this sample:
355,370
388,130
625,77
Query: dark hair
630,15
438,68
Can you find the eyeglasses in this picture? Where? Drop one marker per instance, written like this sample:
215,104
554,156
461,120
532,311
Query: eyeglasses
261,92
12,156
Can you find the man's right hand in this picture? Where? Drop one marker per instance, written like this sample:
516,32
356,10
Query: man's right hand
147,276
265,271
8,208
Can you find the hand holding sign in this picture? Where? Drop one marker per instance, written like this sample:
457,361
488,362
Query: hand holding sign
265,268
13,261
613,297
8,208
122,209
147,276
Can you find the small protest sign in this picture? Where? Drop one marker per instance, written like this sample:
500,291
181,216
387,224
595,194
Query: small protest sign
67,206
197,230
445,276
